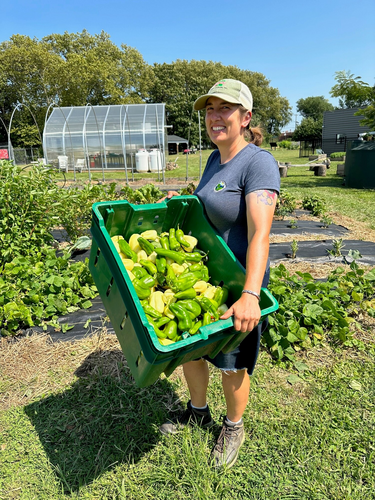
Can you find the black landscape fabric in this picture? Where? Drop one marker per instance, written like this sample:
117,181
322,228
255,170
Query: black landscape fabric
283,227
317,251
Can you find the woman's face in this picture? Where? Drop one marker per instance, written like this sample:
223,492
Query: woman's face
224,121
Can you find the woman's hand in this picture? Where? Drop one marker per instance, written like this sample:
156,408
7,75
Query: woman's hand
246,313
170,195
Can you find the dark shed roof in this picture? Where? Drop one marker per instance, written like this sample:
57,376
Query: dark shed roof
175,139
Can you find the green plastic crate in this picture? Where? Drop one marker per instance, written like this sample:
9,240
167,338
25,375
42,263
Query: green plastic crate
146,357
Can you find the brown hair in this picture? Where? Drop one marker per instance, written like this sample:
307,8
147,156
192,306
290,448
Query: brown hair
254,135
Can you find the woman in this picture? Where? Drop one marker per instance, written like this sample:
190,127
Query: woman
239,190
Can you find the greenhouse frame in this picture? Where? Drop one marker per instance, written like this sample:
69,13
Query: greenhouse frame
130,137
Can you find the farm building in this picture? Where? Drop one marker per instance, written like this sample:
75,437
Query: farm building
339,128
105,137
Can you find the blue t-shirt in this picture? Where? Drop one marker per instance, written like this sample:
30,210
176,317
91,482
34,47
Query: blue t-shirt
223,188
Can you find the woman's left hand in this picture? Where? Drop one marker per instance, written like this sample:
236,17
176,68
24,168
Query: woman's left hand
246,313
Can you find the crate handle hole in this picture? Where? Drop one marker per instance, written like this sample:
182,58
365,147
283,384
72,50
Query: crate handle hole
109,287
156,219
140,221
139,358
122,324
97,257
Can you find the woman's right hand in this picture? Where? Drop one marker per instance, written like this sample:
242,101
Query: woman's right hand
170,195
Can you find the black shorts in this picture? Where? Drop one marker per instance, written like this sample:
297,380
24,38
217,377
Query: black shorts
245,355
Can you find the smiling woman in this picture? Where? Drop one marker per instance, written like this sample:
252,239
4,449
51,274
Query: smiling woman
239,190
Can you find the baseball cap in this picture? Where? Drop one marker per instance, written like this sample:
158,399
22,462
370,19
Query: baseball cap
229,90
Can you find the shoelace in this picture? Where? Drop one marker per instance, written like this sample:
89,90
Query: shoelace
225,435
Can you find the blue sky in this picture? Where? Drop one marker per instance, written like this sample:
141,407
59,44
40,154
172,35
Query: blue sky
298,46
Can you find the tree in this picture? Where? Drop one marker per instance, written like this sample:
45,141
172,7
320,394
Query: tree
72,69
314,107
352,91
308,129
180,83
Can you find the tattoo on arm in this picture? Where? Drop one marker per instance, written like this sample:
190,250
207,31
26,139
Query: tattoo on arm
266,196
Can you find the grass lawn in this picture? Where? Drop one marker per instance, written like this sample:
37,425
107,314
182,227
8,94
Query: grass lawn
74,426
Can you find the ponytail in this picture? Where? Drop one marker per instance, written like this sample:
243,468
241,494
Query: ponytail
254,135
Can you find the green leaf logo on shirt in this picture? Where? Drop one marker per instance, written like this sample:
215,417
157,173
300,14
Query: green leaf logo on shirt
220,186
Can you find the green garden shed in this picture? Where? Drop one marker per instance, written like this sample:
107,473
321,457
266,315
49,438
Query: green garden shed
360,165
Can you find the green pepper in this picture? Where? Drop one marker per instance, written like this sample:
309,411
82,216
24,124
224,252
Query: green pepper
184,319
171,254
192,306
194,256
173,243
189,293
206,319
160,333
125,249
194,267
141,291
139,272
164,241
162,321
180,238
208,306
187,281
156,244
151,311
205,273
171,330
146,245
147,281
196,327
221,295
150,266
161,264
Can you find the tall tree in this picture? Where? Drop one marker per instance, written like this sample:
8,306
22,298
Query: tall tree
180,83
314,107
308,129
72,69
352,91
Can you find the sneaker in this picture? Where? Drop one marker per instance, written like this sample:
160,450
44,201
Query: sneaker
190,416
228,444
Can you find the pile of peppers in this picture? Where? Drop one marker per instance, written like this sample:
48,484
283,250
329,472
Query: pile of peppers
171,279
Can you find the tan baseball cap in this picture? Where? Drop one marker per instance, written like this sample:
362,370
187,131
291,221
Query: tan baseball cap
229,90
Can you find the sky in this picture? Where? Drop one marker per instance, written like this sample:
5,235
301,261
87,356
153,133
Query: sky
297,45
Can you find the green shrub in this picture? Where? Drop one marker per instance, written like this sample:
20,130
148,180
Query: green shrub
337,155
288,144
286,204
316,205
29,204
311,311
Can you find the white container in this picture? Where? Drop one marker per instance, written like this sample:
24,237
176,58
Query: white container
142,161
155,161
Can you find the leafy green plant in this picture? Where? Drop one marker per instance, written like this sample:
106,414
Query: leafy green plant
148,193
75,207
315,204
326,221
35,290
286,204
337,155
294,248
29,204
311,311
293,224
288,145
337,246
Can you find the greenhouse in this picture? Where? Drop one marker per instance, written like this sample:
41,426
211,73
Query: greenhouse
128,137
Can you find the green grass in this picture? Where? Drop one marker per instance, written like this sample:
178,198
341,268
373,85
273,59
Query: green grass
97,438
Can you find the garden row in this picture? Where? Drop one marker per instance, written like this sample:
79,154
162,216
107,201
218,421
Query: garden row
39,281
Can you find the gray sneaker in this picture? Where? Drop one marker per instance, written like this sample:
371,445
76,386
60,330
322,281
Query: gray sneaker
228,444
189,416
